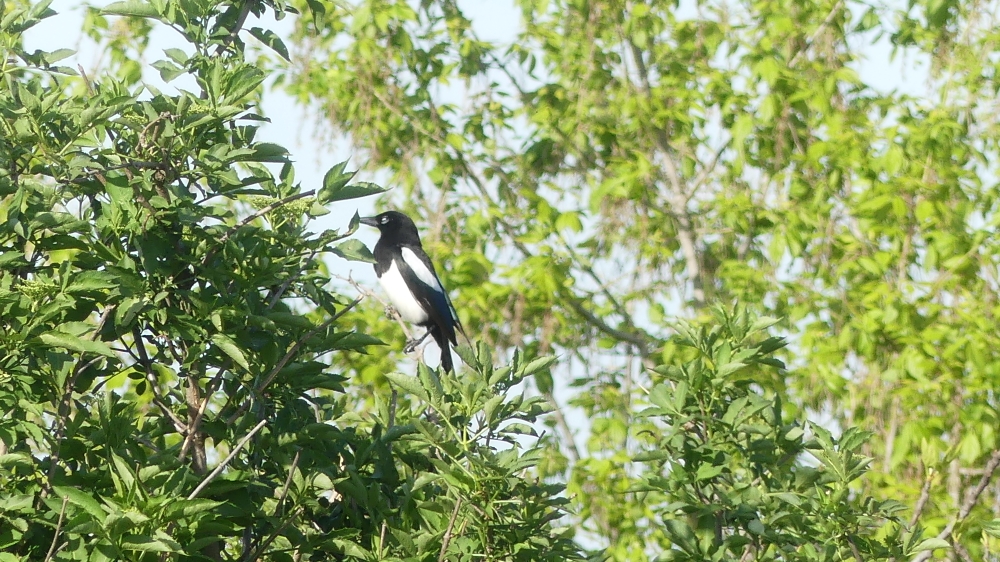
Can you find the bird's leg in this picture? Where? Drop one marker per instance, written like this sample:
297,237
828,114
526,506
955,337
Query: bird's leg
412,344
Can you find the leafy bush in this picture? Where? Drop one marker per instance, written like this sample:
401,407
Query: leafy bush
165,328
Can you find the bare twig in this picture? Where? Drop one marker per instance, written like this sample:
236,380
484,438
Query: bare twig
447,533
295,348
925,494
288,482
393,400
199,460
854,549
222,465
55,537
179,425
568,438
277,293
636,340
369,293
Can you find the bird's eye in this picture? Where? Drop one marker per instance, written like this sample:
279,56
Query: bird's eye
385,220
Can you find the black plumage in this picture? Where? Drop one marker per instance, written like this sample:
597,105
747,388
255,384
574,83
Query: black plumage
408,277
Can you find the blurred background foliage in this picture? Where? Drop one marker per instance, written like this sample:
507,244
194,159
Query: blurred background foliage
617,165
598,189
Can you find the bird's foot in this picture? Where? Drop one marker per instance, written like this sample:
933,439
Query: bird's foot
412,344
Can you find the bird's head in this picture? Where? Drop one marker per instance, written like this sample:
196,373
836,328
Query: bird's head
392,223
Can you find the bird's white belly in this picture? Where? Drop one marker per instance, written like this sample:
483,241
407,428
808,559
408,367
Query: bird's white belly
401,297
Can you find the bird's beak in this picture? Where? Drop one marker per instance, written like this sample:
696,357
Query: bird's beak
370,221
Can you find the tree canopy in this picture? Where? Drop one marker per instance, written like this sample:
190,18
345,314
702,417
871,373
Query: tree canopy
729,301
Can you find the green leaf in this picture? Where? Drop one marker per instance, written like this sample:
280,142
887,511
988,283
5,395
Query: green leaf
408,384
272,40
353,250
76,343
537,365
243,82
10,258
730,368
92,281
58,55
336,187
181,508
355,341
135,8
81,499
269,152
763,323
145,543
932,543
229,347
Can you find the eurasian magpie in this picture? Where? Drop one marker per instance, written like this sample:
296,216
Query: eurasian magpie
407,276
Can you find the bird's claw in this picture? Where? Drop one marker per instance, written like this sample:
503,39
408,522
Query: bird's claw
411,345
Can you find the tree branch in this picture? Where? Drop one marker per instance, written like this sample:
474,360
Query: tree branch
55,536
222,465
447,533
970,501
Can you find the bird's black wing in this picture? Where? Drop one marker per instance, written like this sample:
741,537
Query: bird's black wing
418,272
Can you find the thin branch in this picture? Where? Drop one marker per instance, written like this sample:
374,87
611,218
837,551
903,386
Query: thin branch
195,422
255,552
295,348
55,537
678,199
280,291
568,439
232,230
589,270
815,34
925,494
854,549
970,501
288,482
274,534
222,466
447,533
179,425
237,26
381,537
291,353
64,403
636,340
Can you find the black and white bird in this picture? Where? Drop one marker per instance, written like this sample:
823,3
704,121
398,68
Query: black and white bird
408,278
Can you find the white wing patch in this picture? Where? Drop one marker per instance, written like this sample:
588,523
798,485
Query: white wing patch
421,270
400,296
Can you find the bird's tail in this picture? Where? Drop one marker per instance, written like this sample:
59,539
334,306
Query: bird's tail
442,342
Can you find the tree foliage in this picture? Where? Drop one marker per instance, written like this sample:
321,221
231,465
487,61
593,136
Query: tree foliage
614,164
167,323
